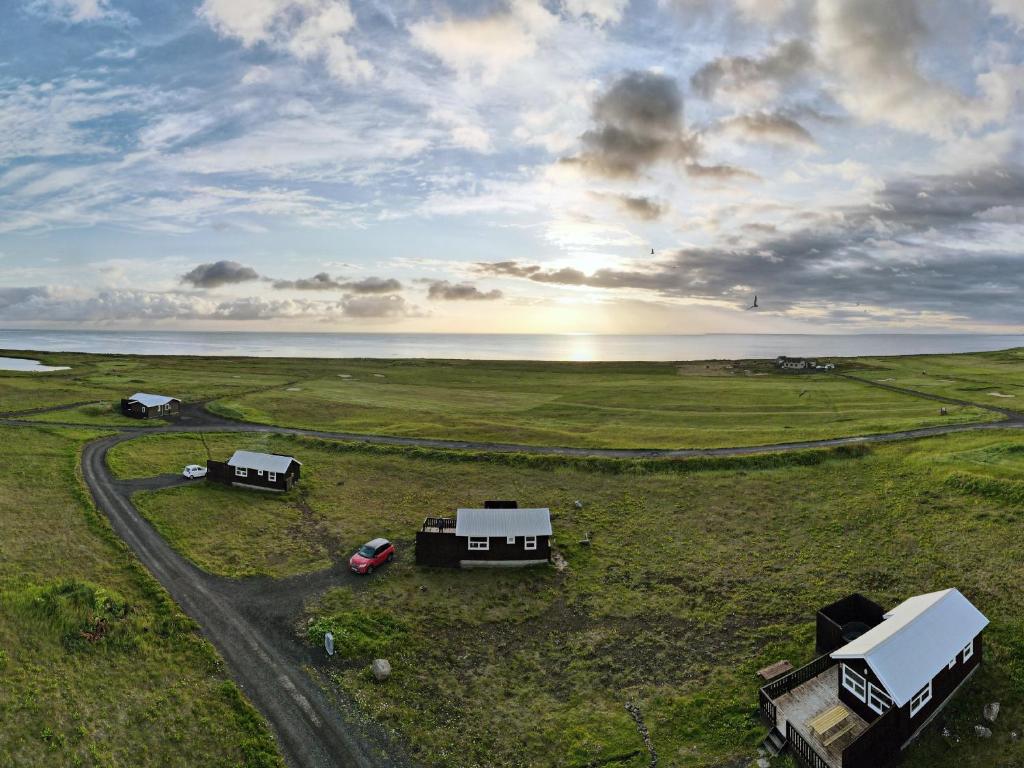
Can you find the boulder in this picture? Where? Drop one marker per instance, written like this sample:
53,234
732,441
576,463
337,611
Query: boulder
381,669
982,732
991,711
578,504
763,762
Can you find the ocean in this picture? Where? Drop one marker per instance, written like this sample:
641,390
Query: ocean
501,346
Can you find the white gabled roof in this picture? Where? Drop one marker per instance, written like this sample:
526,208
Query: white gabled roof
915,640
268,462
151,401
503,522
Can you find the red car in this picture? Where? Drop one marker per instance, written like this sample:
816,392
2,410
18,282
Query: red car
372,555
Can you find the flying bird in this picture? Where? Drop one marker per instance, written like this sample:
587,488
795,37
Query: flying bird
754,305
652,251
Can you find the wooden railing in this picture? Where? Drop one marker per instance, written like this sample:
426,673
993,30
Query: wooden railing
798,677
804,754
768,708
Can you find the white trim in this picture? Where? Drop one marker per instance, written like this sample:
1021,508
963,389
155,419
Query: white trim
479,543
878,700
241,472
510,539
920,698
854,682
968,650
952,663
272,477
529,542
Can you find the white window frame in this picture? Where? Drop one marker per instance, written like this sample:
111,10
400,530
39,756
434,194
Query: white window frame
968,651
479,543
920,698
272,477
529,542
878,700
259,472
510,539
855,682
241,472
952,663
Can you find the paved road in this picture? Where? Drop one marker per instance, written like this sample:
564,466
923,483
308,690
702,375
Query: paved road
250,621
262,655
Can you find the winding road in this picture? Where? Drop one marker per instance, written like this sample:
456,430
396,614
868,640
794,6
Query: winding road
250,621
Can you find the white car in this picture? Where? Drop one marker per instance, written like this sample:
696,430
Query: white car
194,471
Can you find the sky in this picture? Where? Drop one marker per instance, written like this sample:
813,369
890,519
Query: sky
512,166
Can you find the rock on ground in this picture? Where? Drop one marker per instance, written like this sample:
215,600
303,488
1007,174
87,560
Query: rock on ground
991,711
982,732
381,669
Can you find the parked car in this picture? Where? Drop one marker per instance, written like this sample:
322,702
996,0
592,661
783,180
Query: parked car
372,554
194,472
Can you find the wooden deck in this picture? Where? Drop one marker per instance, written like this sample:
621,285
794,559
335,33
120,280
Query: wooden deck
806,702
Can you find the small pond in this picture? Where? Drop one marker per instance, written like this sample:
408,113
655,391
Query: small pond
33,366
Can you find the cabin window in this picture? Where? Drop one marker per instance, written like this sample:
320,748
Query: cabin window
241,472
878,700
854,683
921,698
968,650
952,663
272,477
510,539
259,472
481,543
530,542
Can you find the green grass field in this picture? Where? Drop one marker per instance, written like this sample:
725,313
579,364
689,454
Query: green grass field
144,689
617,406
696,577
993,378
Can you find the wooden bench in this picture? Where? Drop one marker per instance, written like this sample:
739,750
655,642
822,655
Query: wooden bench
774,670
838,734
829,719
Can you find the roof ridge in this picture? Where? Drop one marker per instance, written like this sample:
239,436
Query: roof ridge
881,643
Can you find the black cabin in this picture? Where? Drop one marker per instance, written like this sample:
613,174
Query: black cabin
499,535
146,406
881,680
264,471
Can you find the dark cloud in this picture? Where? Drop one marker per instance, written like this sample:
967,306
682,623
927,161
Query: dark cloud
374,285
219,273
768,126
639,206
914,249
719,172
442,290
318,282
390,305
737,73
638,122
506,268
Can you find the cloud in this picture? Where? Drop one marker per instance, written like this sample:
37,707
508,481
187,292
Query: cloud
79,11
305,29
219,273
638,122
770,127
736,74
873,49
373,285
923,247
637,206
376,306
601,11
442,290
318,282
1013,9
487,45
